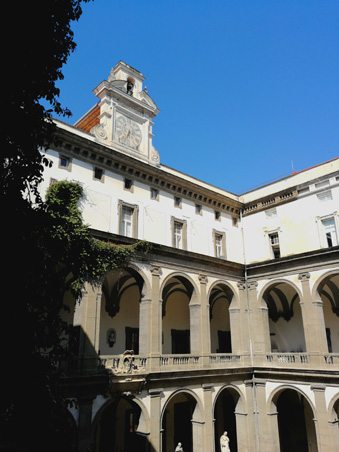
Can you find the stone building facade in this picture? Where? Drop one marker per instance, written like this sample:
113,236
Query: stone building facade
230,323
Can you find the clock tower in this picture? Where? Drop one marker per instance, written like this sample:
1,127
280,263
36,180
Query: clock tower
123,118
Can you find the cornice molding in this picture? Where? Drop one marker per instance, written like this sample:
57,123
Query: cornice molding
94,153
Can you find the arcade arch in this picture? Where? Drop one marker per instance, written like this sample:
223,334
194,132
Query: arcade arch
121,424
220,299
120,311
328,291
285,317
228,404
182,421
293,426
177,294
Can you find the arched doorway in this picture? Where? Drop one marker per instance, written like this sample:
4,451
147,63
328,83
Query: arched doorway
285,318
220,327
178,423
120,307
176,297
295,422
116,428
328,290
225,418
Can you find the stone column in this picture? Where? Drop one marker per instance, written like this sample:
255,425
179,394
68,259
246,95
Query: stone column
155,420
198,436
85,423
89,320
252,418
244,339
155,330
264,442
313,320
325,437
205,350
145,326
195,325
259,326
209,424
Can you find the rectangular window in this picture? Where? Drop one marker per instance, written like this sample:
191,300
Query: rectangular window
64,162
330,232
198,209
128,184
325,196
218,245
98,173
128,219
179,233
275,245
155,194
217,215
219,242
177,202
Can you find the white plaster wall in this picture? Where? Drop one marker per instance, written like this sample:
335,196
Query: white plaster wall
100,210
298,223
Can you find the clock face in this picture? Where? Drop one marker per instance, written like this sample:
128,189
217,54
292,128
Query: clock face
128,132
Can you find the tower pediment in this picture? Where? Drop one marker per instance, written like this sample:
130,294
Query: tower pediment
123,117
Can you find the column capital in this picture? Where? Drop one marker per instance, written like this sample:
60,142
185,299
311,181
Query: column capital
305,276
155,392
203,279
155,270
252,285
318,387
241,285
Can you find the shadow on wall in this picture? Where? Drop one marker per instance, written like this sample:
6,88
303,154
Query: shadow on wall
117,425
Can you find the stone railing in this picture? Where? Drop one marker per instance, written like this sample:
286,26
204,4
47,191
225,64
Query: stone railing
284,359
128,363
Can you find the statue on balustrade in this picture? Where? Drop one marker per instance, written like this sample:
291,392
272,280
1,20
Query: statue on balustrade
179,448
224,443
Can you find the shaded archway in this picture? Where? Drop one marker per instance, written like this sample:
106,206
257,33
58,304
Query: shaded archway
295,421
285,318
328,291
176,321
120,311
181,422
227,402
220,326
116,427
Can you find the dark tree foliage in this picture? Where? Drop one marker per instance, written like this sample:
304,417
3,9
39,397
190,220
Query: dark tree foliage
42,244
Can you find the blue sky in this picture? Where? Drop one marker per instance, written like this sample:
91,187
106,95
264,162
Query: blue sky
244,88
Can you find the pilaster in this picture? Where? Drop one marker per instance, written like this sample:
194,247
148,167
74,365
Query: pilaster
155,329
259,326
204,317
313,319
209,424
325,434
155,419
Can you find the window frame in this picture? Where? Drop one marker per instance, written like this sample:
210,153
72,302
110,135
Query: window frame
154,193
274,246
128,185
67,167
183,224
222,236
97,168
134,218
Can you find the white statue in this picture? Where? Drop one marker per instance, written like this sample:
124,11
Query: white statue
224,443
179,448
